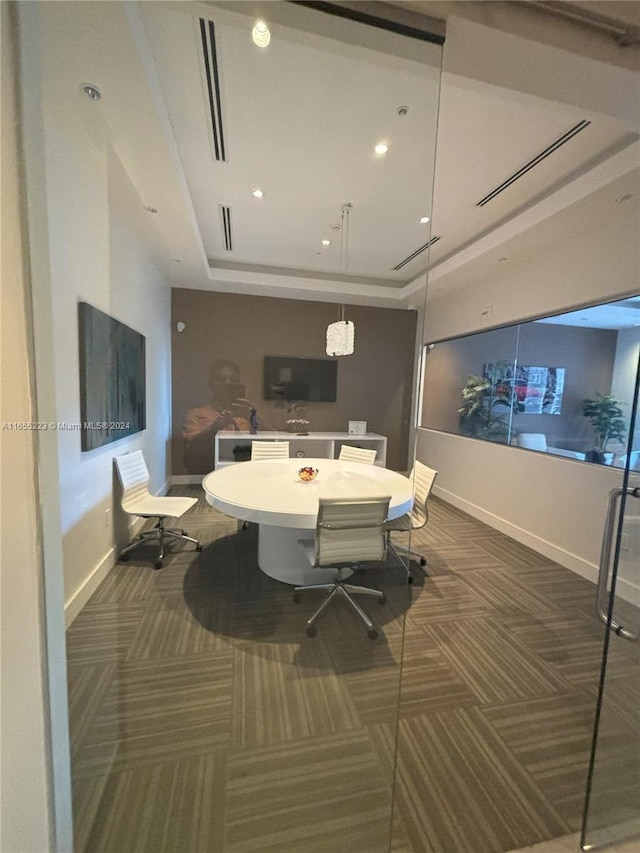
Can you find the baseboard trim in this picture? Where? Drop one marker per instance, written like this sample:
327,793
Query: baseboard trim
187,479
624,588
542,546
91,583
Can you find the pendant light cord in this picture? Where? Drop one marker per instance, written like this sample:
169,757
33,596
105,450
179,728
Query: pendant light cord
344,248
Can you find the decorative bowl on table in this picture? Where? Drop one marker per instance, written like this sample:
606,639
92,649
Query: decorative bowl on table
307,474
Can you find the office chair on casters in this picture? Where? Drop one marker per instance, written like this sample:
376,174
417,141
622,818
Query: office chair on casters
423,479
137,500
269,450
348,532
357,454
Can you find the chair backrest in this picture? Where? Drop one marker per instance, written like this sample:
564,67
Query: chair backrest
533,440
269,450
423,479
351,530
134,477
357,454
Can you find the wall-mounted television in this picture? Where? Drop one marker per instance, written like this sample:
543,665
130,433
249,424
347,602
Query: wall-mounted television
311,379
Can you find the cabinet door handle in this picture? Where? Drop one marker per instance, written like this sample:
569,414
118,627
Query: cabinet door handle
602,604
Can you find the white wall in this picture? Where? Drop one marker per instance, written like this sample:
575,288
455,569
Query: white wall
552,504
26,816
600,264
97,255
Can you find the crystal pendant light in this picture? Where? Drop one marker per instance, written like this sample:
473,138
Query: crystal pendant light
341,334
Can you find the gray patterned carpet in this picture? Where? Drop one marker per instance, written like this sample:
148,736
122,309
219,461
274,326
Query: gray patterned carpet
203,720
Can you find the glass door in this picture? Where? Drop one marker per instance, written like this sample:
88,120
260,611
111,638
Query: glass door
612,808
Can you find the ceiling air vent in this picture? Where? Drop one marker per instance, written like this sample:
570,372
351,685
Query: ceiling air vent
225,221
417,252
210,57
536,160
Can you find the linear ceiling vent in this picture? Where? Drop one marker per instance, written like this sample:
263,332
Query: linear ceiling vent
225,221
536,160
417,252
210,57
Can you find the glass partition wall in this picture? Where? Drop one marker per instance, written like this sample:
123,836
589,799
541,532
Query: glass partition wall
202,718
559,384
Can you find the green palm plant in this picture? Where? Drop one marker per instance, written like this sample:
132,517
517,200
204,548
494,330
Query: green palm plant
481,395
606,417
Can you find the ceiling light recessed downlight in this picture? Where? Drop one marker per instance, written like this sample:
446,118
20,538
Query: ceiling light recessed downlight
260,34
381,149
326,242
257,193
91,91
424,220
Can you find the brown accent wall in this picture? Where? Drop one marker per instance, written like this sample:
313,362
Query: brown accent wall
374,384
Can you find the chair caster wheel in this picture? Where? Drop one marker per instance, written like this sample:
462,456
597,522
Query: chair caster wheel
372,633
311,631
423,562
123,558
157,564
382,599
198,547
296,597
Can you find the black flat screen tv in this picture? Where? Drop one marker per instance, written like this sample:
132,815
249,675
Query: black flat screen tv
311,379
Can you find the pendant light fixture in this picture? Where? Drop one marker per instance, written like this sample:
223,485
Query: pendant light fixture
340,335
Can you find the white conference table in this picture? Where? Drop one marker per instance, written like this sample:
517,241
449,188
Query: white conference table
270,494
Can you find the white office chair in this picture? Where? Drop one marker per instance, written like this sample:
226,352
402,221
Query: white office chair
348,532
533,441
137,500
269,450
357,454
423,479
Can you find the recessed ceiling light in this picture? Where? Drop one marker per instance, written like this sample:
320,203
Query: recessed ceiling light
381,149
424,220
260,34
91,91
326,242
257,193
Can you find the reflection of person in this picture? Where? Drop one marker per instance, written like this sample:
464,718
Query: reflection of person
228,410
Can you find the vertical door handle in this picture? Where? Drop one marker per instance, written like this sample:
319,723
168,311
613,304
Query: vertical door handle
602,605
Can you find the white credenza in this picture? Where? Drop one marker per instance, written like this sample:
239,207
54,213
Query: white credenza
314,445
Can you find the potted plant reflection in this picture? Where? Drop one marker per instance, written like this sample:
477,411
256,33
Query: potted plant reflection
486,405
606,417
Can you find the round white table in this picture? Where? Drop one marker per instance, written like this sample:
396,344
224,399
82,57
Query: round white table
270,494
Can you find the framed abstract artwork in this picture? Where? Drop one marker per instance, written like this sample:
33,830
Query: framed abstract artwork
112,378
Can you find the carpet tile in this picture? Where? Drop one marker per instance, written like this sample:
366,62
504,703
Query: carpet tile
204,720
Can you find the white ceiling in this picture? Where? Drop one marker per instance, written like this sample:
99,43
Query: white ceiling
300,119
